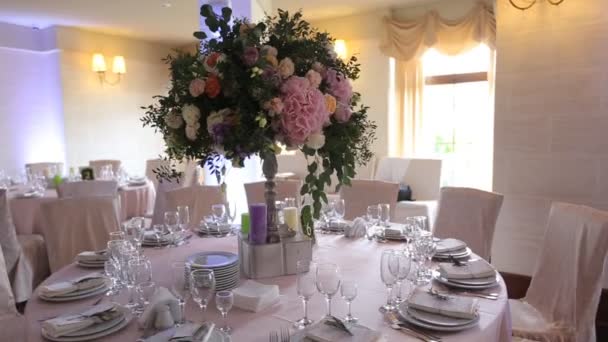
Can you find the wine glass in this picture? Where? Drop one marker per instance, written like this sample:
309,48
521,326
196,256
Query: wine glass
328,282
172,224
219,213
139,272
306,287
223,302
134,233
400,270
290,202
111,271
385,214
339,209
410,231
118,235
421,222
184,217
202,287
179,288
388,261
145,291
348,290
425,248
114,250
371,219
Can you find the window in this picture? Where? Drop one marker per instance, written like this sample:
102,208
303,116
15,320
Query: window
457,116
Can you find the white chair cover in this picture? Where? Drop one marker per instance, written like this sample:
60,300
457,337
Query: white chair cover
189,176
469,215
7,300
154,164
41,168
12,324
18,269
88,189
367,171
96,165
422,175
160,202
563,297
78,224
284,188
199,200
364,193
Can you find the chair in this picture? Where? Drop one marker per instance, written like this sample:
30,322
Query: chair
366,171
283,188
42,168
190,173
563,297
88,189
469,215
198,198
78,224
12,324
424,178
151,166
25,256
363,193
160,201
96,165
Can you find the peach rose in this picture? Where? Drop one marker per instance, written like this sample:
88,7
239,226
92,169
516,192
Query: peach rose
286,67
197,87
272,60
330,103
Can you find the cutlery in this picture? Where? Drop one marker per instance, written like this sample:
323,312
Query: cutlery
492,296
273,337
412,333
394,320
285,335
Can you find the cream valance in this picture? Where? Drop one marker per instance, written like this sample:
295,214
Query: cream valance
406,40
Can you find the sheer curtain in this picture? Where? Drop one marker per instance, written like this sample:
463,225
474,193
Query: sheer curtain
406,41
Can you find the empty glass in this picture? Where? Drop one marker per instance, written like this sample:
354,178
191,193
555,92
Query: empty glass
425,247
223,302
219,213
306,287
400,270
179,287
388,261
139,272
172,222
111,271
290,202
134,233
202,287
371,219
410,231
339,209
114,249
145,292
118,235
348,290
328,282
184,217
385,214
421,222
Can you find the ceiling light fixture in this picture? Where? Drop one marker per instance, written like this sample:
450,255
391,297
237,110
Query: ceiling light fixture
531,3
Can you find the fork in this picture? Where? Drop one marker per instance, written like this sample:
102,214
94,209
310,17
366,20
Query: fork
285,335
273,336
399,325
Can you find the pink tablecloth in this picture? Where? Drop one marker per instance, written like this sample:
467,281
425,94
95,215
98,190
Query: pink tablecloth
137,200
359,261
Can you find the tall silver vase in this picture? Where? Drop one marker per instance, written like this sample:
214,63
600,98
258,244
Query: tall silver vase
270,167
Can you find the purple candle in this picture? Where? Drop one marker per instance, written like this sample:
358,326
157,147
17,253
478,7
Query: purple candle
258,226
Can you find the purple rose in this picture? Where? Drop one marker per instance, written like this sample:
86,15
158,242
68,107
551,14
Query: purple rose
250,56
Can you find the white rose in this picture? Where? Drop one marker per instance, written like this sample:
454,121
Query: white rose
269,50
191,114
314,78
192,131
213,119
174,120
286,67
316,141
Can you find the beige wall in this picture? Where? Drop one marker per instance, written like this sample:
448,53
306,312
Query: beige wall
551,119
103,121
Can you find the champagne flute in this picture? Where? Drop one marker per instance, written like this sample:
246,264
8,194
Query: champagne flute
388,260
306,287
385,214
184,217
371,218
348,290
202,287
179,288
339,209
172,224
223,302
400,270
328,282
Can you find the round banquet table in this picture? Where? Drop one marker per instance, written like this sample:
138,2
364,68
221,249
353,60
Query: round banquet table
28,218
359,260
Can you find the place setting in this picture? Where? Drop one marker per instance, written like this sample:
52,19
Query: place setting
92,259
82,287
219,224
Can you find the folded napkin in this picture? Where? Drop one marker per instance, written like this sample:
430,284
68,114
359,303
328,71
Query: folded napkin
453,306
355,230
253,296
470,270
450,245
161,298
67,324
185,333
322,332
93,256
394,232
63,288
150,236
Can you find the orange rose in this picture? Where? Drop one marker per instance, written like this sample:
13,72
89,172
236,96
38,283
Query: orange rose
212,86
272,60
330,103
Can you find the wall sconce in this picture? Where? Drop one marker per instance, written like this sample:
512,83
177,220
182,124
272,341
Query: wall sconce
530,3
119,67
340,49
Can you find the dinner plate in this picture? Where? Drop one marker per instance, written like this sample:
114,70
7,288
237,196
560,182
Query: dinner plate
417,322
474,281
123,323
436,319
449,283
97,328
212,260
90,265
465,254
77,295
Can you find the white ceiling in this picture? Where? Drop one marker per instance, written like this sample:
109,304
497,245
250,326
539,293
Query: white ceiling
150,19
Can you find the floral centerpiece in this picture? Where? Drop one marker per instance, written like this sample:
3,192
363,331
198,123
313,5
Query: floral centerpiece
252,88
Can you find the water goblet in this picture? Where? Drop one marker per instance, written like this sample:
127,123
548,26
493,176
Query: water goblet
339,209
139,272
223,302
111,271
219,213
179,287
306,287
202,287
145,292
371,219
348,290
118,235
400,270
172,224
184,217
385,214
388,261
134,234
328,282
423,246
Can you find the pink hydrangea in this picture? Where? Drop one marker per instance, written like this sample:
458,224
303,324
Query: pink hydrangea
304,110
339,86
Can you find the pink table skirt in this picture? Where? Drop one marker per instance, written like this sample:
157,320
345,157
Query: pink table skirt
137,200
359,261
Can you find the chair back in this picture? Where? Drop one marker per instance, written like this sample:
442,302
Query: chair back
366,171
160,201
7,300
363,193
422,175
284,188
469,215
96,165
293,163
78,224
42,168
151,166
567,282
88,189
198,198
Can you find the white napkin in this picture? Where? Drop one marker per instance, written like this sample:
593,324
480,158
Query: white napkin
453,306
470,270
184,333
253,296
161,297
68,324
93,256
322,332
63,288
450,245
355,230
394,232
